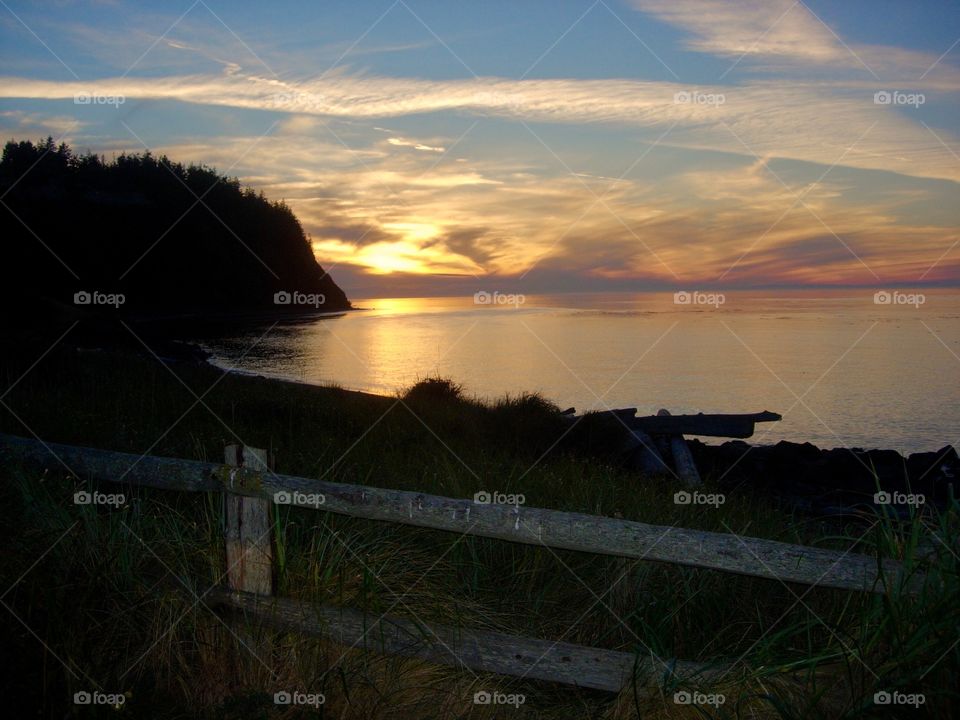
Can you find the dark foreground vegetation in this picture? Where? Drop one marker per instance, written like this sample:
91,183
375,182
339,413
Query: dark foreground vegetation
97,597
169,239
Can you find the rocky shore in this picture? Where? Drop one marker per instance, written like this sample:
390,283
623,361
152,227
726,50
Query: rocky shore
835,480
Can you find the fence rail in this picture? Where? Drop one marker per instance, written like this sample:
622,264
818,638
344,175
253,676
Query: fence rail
587,667
532,526
483,651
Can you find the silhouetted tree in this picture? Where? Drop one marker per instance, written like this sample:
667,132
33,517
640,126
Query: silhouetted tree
173,239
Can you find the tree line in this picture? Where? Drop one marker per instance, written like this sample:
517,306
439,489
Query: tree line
171,239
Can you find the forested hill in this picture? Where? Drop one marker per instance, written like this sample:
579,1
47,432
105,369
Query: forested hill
78,230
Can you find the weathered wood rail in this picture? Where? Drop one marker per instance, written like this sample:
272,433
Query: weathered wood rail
757,557
485,651
249,486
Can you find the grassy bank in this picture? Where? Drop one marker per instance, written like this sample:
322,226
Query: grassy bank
103,598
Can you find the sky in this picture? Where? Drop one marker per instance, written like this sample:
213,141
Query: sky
535,146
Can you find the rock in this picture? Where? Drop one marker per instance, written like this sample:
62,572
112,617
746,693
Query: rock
835,478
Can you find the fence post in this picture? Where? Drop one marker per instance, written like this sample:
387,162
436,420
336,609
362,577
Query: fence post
248,528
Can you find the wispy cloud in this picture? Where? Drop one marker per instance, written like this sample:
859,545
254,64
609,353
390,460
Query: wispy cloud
403,142
33,124
749,27
812,122
786,35
723,225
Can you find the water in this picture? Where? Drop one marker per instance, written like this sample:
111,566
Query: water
842,370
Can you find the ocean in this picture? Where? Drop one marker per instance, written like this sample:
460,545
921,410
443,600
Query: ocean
845,368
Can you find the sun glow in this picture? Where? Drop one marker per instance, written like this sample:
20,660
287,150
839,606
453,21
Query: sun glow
413,231
415,250
381,258
386,257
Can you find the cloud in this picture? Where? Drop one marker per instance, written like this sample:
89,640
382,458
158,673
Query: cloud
750,27
478,244
786,35
299,124
36,124
812,122
740,226
729,223
401,142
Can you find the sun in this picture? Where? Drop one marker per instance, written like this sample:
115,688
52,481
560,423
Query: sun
384,258
415,250
406,254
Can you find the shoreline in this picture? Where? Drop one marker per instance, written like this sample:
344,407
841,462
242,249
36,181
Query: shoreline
833,480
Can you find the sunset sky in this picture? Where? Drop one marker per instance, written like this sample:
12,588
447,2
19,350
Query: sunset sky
442,147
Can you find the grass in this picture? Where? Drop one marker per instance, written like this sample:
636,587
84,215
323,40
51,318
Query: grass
107,598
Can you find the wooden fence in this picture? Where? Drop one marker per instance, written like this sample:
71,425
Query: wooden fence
250,486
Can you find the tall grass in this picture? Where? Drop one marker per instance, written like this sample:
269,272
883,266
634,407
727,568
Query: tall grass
112,599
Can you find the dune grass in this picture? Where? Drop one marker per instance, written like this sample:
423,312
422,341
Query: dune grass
114,599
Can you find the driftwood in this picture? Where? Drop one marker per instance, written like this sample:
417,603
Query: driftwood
682,459
533,526
652,438
733,426
645,456
482,651
713,425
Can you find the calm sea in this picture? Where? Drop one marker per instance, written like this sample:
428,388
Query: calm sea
843,369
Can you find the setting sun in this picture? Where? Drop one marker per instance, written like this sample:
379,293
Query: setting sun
385,258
